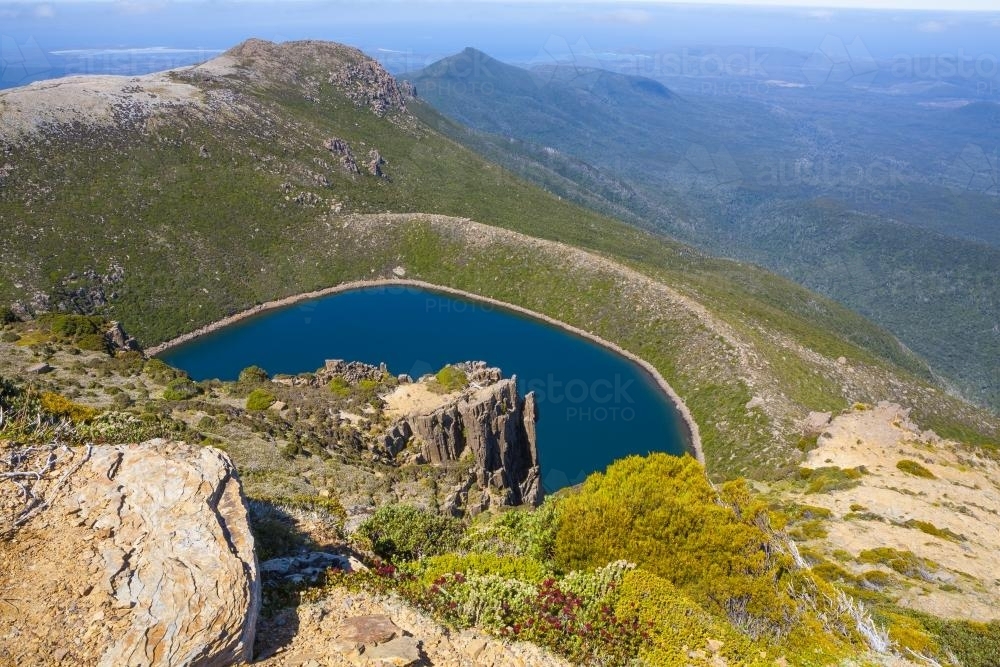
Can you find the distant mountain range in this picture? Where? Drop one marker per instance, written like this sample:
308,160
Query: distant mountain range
888,203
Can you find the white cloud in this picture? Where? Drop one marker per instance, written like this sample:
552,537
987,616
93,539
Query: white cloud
932,26
134,7
44,12
820,14
626,16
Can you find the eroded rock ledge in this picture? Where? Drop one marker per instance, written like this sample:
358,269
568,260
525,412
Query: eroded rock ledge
488,424
143,556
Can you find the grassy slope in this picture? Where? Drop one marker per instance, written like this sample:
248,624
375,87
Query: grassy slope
203,237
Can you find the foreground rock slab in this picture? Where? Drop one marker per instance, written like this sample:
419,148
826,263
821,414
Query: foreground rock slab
144,556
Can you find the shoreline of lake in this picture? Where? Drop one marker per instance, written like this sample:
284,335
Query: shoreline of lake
689,425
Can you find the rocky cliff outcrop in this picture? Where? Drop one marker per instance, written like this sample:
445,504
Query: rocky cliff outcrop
368,84
495,427
142,555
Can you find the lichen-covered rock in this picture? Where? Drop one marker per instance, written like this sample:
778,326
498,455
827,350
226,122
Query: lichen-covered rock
143,556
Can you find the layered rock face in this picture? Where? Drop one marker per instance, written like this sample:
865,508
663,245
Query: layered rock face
496,428
143,556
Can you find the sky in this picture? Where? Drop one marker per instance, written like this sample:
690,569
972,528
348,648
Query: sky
940,5
123,36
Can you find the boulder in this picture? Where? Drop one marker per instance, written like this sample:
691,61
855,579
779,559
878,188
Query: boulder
399,652
816,422
375,162
143,556
308,567
118,339
369,630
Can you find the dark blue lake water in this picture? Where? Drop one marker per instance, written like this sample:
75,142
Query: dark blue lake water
595,406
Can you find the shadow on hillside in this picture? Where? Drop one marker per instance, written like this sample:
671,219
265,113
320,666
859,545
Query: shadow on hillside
284,535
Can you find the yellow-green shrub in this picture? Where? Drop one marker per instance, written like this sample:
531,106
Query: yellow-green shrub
451,379
905,562
60,406
830,478
908,633
677,624
260,399
509,567
661,513
915,469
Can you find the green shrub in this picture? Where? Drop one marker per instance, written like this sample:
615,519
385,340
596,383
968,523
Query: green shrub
7,315
116,427
73,326
402,532
915,469
906,563
974,644
339,386
830,478
181,389
160,371
367,389
93,343
516,532
452,379
125,362
662,513
931,529
797,512
807,443
876,579
121,401
510,567
813,529
908,633
260,399
10,337
574,617
253,375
